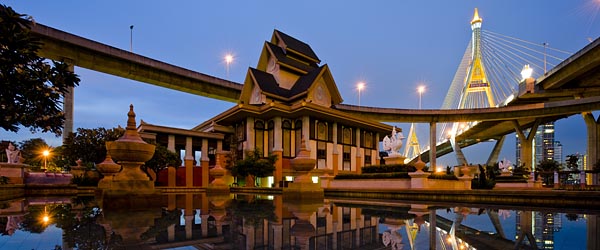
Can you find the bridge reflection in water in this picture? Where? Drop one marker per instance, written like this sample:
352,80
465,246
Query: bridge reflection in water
270,222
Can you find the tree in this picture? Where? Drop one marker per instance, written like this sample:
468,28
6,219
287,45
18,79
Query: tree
548,166
254,165
162,159
31,151
89,145
572,162
31,87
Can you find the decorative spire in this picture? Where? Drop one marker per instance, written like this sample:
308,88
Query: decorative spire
131,118
476,17
131,133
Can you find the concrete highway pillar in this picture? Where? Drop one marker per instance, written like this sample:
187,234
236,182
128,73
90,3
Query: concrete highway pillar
432,145
495,152
593,142
433,235
68,101
526,142
460,157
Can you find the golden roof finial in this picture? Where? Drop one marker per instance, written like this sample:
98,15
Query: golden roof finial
476,17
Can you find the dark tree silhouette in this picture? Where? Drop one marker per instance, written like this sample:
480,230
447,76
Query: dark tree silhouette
31,87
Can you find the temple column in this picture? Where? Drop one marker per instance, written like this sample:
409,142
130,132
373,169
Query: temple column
377,161
306,132
189,215
249,144
526,143
593,143
432,145
278,151
204,162
359,161
189,163
335,154
360,223
68,103
171,171
204,224
334,222
171,143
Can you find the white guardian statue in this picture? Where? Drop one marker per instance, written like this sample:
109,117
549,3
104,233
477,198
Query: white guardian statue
393,144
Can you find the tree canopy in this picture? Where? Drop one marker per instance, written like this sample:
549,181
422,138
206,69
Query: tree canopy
31,86
31,151
254,165
548,165
89,144
162,159
572,161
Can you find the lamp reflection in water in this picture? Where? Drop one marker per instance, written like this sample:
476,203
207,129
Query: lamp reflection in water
45,216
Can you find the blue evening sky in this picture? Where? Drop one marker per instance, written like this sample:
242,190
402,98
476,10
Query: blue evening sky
393,46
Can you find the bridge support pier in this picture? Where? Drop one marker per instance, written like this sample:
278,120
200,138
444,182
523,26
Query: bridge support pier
460,157
593,143
526,142
68,101
432,145
495,152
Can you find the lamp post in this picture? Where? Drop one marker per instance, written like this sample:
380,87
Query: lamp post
228,61
421,90
360,86
45,153
131,39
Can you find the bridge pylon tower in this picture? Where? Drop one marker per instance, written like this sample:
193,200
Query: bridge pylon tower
476,80
412,148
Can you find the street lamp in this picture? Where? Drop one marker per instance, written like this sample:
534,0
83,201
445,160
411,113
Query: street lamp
421,90
228,61
131,38
360,86
45,153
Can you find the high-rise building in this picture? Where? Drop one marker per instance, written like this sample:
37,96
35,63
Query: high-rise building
558,155
543,145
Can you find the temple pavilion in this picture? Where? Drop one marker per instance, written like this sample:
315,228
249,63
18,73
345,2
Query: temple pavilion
288,97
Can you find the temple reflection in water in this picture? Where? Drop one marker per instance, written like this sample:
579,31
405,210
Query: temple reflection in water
240,221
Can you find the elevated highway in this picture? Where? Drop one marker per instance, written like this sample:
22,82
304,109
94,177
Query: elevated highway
82,52
573,87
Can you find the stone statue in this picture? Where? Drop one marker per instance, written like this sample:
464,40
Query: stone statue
504,165
394,143
13,155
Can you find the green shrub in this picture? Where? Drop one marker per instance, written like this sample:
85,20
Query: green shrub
84,181
389,168
505,179
396,175
443,176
